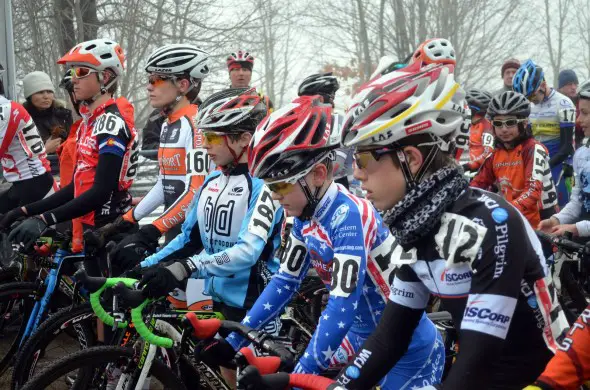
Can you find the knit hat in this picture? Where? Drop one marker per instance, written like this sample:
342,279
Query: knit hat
567,76
511,63
35,82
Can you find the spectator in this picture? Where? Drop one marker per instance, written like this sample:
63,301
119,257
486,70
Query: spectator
51,117
568,85
240,65
509,68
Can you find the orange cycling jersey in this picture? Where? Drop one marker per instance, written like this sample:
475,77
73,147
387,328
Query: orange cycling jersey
481,143
523,176
570,367
183,164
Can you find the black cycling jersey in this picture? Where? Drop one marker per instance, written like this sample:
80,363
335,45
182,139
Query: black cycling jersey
487,266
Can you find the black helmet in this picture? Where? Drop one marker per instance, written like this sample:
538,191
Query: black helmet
324,84
478,100
509,103
66,82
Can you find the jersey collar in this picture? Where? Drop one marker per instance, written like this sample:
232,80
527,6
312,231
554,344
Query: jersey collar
550,95
189,111
326,201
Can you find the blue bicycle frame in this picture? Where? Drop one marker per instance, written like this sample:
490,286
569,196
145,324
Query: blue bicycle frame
51,281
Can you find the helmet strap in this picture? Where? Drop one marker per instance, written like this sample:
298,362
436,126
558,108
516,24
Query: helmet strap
228,168
312,200
411,179
103,88
170,107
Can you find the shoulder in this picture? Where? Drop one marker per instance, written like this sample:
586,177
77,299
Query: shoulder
563,102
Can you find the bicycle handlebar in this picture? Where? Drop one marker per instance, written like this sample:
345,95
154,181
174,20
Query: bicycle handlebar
251,375
99,285
564,243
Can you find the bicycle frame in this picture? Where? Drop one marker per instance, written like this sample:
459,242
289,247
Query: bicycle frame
52,280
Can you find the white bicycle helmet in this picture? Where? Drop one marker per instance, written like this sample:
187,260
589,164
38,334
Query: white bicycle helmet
180,60
98,54
435,51
231,111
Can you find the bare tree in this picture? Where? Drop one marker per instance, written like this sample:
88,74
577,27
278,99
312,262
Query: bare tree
557,21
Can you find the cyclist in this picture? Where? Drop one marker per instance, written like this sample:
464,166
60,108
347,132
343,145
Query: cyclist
575,216
338,234
474,250
106,148
233,217
552,118
518,166
175,73
570,367
23,157
240,65
481,137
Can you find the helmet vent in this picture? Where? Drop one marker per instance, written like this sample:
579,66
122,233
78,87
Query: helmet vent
90,47
105,56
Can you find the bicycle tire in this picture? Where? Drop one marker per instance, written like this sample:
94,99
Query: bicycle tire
78,318
98,356
9,294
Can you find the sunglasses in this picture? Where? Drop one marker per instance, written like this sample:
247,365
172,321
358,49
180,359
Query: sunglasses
281,188
507,122
157,80
364,158
81,72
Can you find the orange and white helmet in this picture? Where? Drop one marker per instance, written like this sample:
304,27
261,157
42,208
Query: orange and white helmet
409,101
98,54
435,51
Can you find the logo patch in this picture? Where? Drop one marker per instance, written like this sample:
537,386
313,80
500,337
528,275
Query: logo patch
339,215
499,215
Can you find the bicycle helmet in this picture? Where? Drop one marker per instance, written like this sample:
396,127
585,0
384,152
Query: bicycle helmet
528,78
98,54
66,82
323,84
478,100
435,51
231,111
509,103
179,60
241,58
584,90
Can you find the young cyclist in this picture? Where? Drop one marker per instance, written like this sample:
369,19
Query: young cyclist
575,216
175,73
106,148
233,217
474,249
481,136
338,234
518,166
552,118
23,157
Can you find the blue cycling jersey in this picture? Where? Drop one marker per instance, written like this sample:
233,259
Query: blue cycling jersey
235,220
350,248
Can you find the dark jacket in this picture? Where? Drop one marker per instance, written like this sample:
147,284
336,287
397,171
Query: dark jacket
55,121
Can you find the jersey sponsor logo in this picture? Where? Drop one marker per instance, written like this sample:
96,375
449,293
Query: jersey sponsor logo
108,124
263,215
451,277
33,143
500,248
324,269
353,371
219,217
345,271
418,127
172,161
221,259
293,256
401,293
499,215
236,191
339,215
489,313
459,239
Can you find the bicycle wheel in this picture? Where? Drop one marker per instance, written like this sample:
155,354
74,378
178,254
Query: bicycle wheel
16,302
63,333
96,368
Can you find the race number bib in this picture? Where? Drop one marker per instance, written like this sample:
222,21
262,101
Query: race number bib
459,239
197,162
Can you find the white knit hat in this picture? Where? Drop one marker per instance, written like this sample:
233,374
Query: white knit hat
35,82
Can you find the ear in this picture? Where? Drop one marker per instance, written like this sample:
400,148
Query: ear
245,139
184,85
319,175
414,157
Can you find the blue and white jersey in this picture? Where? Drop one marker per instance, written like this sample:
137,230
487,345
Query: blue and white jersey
346,242
238,224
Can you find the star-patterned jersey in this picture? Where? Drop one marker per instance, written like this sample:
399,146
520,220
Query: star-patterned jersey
347,244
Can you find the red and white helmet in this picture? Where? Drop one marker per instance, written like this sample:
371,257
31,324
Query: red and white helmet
98,54
403,103
241,56
288,143
435,51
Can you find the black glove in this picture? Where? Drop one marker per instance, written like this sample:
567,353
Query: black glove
134,273
568,170
133,249
216,352
159,281
11,216
28,232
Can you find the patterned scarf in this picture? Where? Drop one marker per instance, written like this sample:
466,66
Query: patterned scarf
414,216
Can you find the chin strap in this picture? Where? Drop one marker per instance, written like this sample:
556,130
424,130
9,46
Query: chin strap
312,200
413,180
169,108
228,168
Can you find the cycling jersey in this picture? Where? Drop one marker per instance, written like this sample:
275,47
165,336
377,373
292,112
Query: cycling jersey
350,249
552,122
462,135
578,208
523,176
570,367
487,266
238,224
22,151
481,143
183,164
108,129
